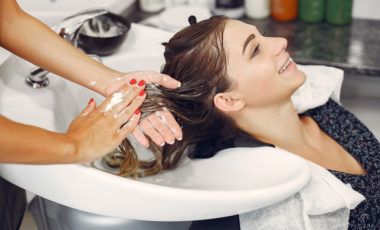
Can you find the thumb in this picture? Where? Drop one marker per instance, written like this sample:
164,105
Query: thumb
90,107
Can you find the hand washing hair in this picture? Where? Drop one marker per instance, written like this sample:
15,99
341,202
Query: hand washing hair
195,56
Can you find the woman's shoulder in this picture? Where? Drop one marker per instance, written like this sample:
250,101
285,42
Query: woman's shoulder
345,128
331,114
328,109
342,125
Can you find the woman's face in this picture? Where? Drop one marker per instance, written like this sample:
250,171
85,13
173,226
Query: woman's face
260,66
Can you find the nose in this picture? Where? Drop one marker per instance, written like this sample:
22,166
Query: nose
282,43
278,45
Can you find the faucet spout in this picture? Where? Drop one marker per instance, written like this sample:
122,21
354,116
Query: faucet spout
68,29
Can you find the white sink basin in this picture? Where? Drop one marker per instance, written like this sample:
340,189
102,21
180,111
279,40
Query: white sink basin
230,183
52,12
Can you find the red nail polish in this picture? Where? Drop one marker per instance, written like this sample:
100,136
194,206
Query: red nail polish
141,83
137,112
91,100
132,82
142,92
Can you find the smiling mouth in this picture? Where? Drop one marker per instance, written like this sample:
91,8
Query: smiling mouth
285,66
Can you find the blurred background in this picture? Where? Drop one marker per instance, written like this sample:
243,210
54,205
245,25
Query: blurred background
339,33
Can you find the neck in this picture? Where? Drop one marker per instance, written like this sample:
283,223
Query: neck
277,124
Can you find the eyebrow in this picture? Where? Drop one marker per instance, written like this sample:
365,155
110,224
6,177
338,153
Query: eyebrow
249,38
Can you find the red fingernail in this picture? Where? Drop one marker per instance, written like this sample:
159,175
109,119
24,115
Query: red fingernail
91,100
141,83
132,82
142,92
137,112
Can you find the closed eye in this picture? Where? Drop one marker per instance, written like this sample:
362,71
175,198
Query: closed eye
256,51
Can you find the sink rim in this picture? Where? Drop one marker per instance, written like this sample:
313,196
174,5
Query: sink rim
76,197
196,206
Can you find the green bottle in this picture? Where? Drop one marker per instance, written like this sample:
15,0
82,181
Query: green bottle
312,10
339,12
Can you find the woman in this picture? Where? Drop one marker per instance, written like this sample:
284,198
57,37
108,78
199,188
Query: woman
32,40
236,83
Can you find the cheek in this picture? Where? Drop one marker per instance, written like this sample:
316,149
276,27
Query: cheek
258,89
262,85
259,78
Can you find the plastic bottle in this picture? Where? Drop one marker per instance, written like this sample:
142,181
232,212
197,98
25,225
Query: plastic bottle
257,9
311,10
339,12
284,10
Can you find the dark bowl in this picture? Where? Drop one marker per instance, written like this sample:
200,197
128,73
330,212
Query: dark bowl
103,35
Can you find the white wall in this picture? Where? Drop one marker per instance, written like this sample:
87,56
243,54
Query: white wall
366,9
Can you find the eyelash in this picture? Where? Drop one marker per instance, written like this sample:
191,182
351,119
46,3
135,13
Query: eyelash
256,51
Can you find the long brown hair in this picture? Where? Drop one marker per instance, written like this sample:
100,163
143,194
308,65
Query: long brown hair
196,57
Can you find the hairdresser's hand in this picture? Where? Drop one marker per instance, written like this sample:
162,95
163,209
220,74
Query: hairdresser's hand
148,76
160,127
100,129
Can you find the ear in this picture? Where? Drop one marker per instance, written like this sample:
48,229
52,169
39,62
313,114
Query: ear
229,101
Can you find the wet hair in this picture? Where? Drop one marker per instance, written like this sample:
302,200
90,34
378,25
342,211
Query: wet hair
196,57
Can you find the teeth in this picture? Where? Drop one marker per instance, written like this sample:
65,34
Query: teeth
286,65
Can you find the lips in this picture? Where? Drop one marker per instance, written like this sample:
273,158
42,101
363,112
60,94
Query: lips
285,65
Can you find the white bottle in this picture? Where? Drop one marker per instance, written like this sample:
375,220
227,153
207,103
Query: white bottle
257,9
172,3
204,3
151,6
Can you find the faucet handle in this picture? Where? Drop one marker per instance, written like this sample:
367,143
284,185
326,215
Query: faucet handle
63,33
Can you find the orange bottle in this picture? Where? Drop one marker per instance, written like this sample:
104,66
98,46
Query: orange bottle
284,10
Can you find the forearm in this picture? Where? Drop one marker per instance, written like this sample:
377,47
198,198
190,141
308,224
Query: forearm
37,43
28,144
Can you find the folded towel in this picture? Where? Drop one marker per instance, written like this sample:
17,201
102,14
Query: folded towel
324,203
287,215
323,188
322,83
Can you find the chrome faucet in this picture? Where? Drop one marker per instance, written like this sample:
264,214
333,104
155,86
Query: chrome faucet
68,29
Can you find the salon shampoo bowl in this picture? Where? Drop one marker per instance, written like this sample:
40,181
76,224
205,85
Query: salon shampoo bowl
232,182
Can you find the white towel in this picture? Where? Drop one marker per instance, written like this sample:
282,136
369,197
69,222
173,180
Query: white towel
324,203
325,193
322,83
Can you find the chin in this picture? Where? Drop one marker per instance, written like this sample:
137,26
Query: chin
302,76
298,80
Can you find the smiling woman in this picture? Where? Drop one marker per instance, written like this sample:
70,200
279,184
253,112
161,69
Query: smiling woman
237,85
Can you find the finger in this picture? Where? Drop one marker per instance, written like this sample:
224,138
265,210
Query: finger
129,104
160,126
152,132
129,126
127,112
158,78
135,101
170,121
120,99
140,137
90,107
